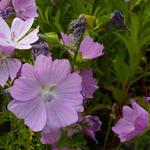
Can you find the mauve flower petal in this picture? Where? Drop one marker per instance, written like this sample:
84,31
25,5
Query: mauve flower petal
20,27
28,71
128,113
7,50
67,39
28,40
22,109
43,66
22,3
59,71
13,67
36,120
30,11
3,4
69,91
4,42
90,49
25,9
33,112
62,117
123,126
4,30
50,136
4,74
137,108
25,89
89,83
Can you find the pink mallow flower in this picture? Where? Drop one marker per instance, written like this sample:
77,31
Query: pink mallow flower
25,9
9,66
17,36
47,95
88,124
4,4
89,83
133,122
88,48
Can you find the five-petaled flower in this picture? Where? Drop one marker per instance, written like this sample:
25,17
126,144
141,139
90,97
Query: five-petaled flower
17,36
47,95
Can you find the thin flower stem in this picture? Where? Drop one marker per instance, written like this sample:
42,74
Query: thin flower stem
107,134
109,126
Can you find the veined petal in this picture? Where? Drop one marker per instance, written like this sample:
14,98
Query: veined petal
33,112
25,89
4,30
43,68
68,90
59,71
20,27
13,67
60,115
30,38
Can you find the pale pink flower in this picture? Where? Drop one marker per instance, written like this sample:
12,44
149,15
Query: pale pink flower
133,122
9,66
88,48
17,36
47,95
25,9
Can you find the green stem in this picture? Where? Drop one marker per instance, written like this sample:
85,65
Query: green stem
109,126
107,134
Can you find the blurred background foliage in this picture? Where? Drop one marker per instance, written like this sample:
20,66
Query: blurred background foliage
122,73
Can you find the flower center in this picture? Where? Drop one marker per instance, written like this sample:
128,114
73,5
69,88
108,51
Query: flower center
48,93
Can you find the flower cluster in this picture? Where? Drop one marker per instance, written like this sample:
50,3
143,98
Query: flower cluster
47,95
51,92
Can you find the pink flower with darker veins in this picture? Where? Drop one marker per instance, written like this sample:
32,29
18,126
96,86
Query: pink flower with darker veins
88,48
17,36
9,66
133,122
25,9
47,95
